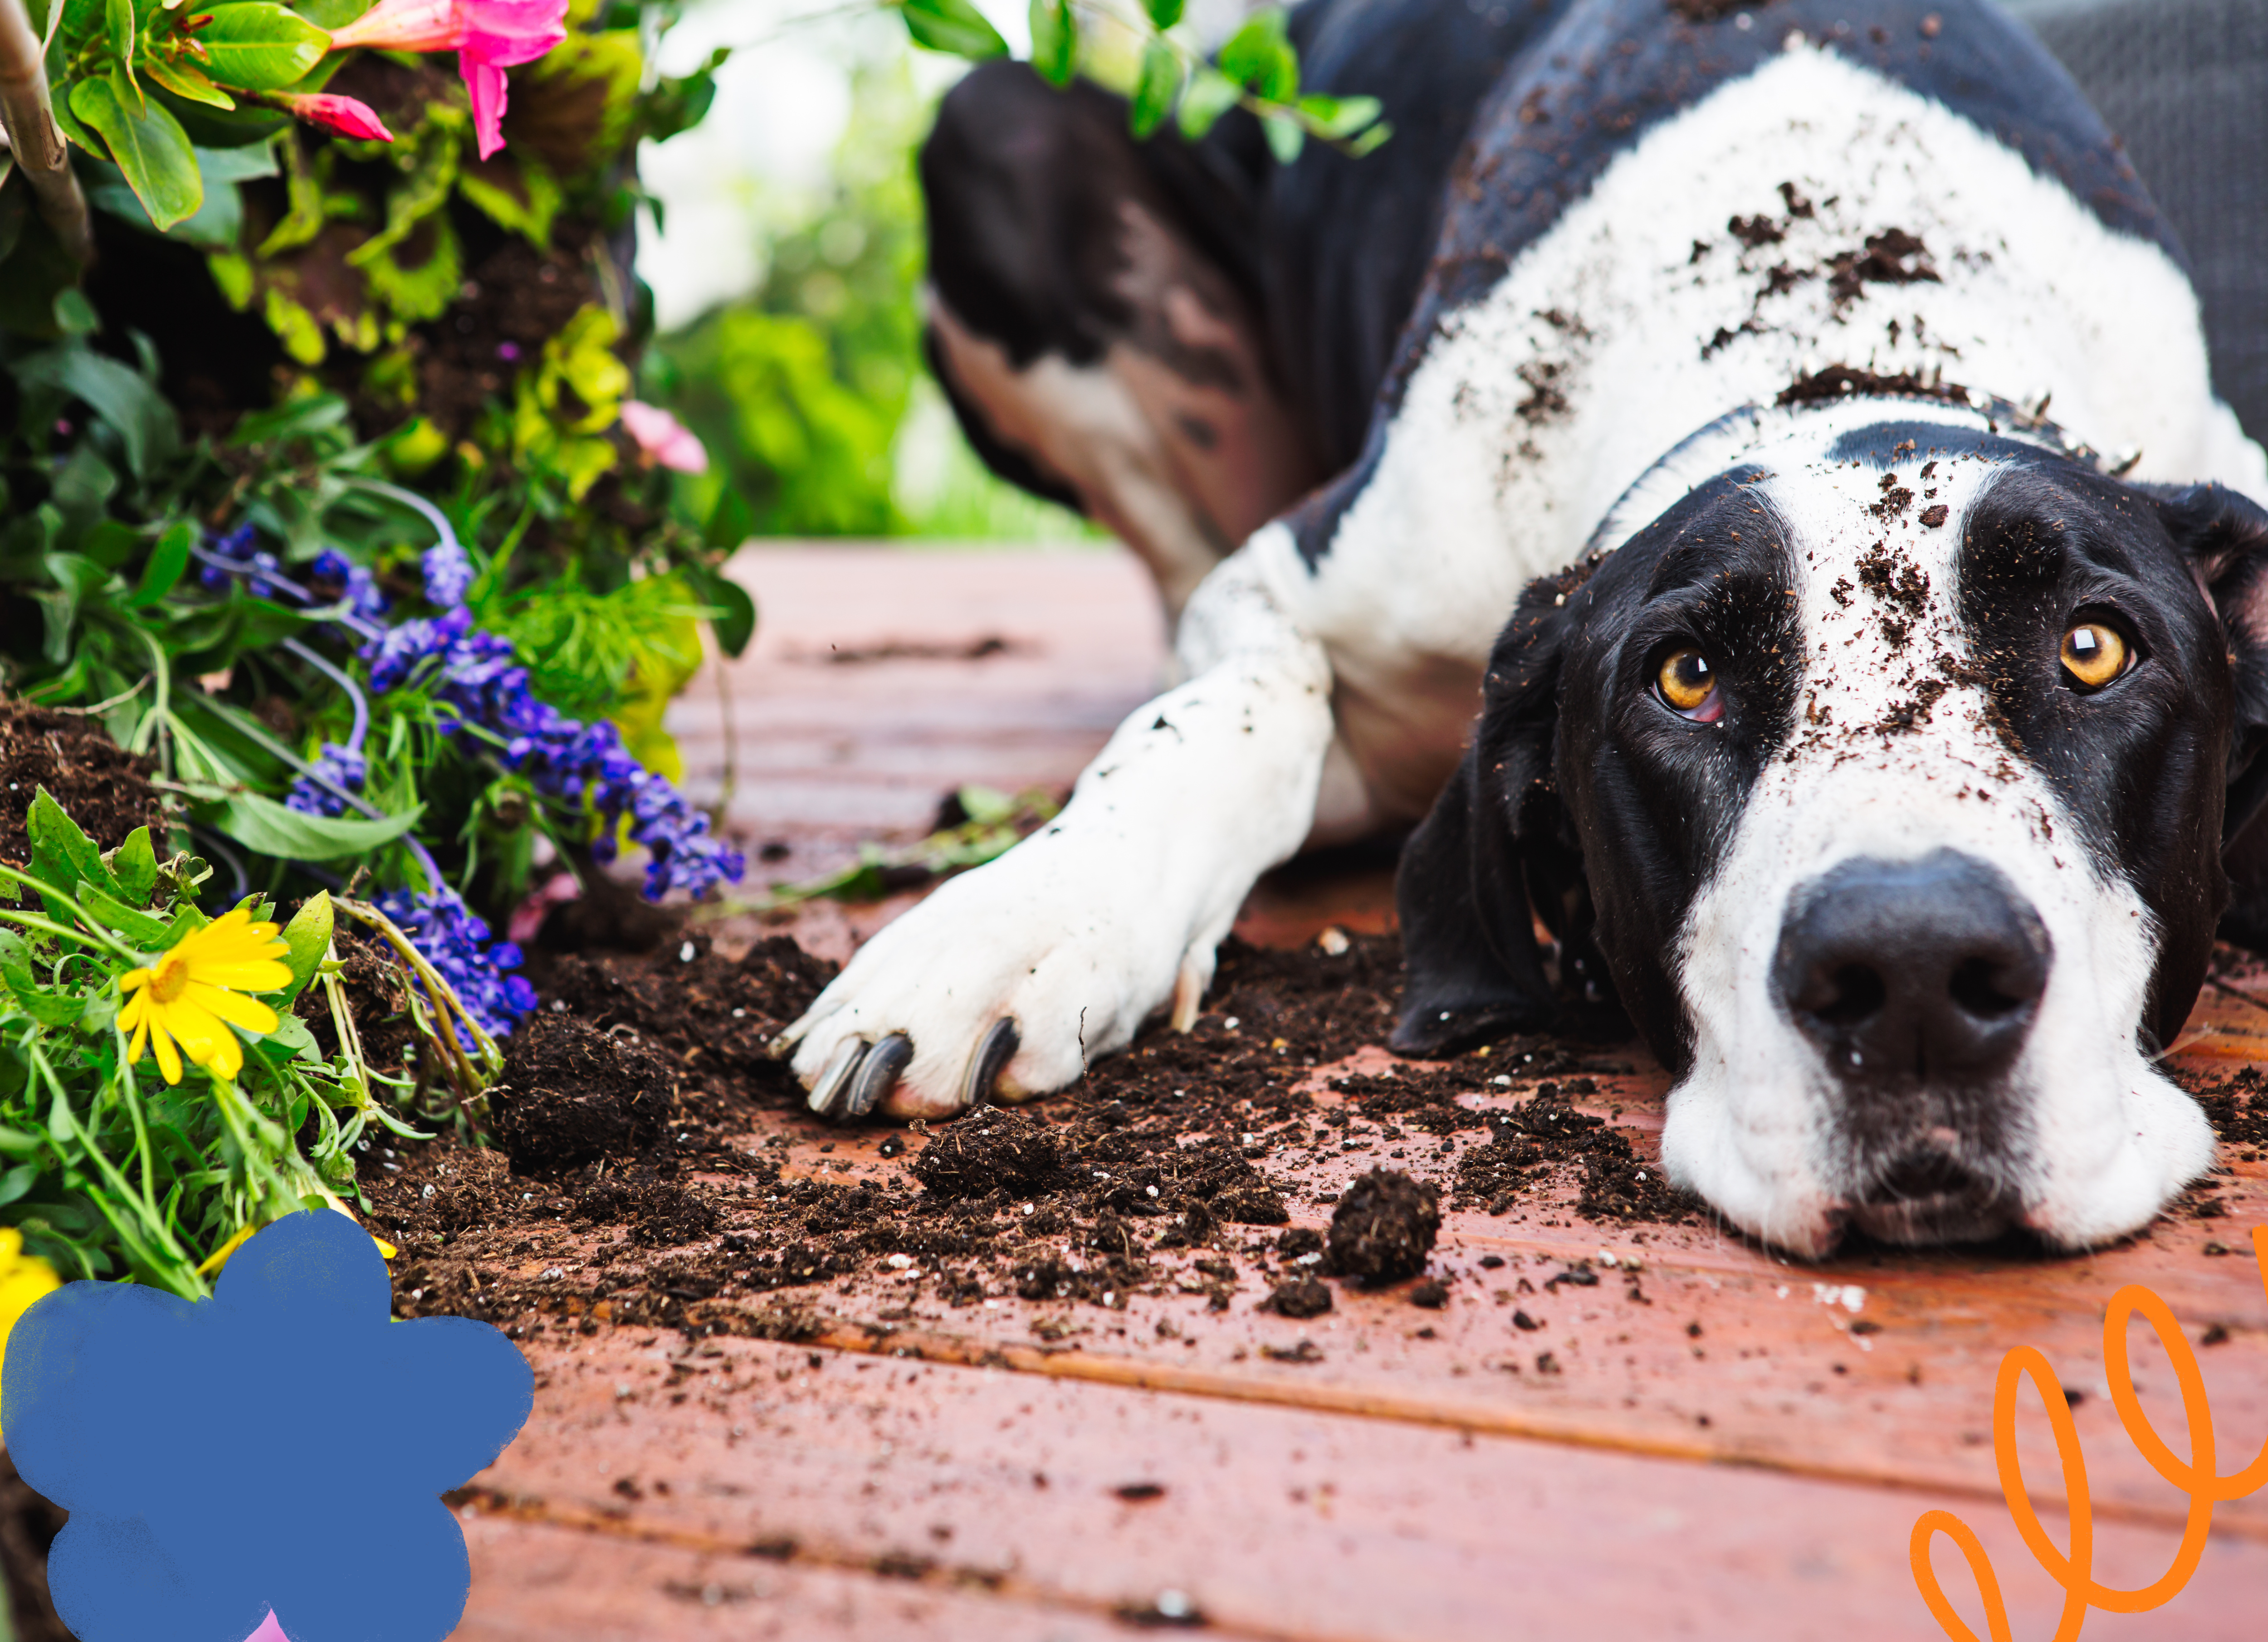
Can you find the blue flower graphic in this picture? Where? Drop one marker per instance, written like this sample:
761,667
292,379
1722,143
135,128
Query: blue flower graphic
281,1446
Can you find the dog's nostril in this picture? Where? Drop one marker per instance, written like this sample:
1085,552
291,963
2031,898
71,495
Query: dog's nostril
1850,995
1916,970
1984,988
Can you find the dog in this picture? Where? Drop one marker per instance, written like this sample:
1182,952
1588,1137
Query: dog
1816,391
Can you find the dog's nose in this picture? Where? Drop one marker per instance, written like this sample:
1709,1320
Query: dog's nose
1923,970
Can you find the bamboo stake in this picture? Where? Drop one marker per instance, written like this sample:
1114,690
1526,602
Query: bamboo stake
30,121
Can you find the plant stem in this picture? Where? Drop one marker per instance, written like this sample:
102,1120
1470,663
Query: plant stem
25,111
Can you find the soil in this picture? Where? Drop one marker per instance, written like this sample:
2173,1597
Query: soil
1834,381
28,1526
99,784
1383,1229
632,1180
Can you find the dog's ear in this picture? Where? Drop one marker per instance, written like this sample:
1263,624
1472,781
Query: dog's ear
2224,536
1467,930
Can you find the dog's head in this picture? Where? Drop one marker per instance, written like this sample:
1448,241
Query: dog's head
1884,772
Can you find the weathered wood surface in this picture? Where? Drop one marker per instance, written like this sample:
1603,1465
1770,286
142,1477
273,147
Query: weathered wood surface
955,1471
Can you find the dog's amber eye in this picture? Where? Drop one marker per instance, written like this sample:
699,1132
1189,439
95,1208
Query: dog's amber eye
2094,653
1689,684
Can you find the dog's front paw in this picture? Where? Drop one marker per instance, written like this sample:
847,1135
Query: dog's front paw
1003,984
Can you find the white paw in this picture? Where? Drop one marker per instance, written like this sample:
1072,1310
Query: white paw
1064,945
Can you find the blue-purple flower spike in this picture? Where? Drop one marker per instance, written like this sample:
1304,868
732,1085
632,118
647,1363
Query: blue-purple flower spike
456,941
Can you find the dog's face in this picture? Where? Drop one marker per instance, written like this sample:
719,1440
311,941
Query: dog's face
1896,765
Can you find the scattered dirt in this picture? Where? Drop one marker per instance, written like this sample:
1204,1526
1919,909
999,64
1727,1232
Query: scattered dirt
1893,257
1529,1143
2237,1106
99,784
1834,381
1383,1229
28,1526
635,1183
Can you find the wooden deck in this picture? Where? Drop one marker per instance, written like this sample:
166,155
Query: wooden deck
1721,1444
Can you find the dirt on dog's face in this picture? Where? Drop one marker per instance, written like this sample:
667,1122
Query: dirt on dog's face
1895,764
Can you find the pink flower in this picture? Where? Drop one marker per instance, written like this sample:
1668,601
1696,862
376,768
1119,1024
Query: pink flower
489,36
342,114
662,439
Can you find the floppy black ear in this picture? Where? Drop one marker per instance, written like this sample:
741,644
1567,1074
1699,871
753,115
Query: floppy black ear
2225,536
1468,931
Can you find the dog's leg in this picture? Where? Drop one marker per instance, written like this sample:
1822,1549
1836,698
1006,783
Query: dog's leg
1082,931
1095,320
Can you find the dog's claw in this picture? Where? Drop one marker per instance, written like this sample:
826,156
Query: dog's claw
877,1072
994,1050
834,1081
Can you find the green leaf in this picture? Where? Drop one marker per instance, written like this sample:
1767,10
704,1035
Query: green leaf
168,562
21,1143
18,1181
1055,41
732,613
1211,95
1285,138
952,26
188,82
267,827
308,936
246,162
1371,141
1260,58
121,395
1340,116
49,1008
1155,92
260,48
113,913
289,1041
133,868
118,20
1164,13
62,854
149,146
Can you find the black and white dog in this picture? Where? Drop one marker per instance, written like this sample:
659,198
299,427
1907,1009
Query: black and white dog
1878,742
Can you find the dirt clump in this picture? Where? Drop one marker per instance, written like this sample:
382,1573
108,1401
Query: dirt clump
99,784
1383,1229
1300,1298
572,1095
992,1150
660,1213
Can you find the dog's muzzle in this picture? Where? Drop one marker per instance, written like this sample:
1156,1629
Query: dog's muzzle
1918,981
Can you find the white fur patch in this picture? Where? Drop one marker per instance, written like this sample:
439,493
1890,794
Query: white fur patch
2099,1138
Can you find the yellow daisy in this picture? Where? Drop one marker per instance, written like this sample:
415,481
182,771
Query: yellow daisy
194,993
23,1278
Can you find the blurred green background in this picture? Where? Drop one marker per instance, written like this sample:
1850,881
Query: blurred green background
786,271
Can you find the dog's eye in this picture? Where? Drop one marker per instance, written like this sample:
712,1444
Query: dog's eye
2095,653
1688,685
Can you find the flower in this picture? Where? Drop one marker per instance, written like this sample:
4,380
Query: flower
448,570
487,36
342,767
454,940
194,993
23,1278
342,114
475,674
662,439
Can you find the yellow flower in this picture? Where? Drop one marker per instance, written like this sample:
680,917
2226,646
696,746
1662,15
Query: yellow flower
23,1278
195,995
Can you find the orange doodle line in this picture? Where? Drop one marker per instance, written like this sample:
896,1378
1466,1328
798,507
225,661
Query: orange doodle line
2196,1477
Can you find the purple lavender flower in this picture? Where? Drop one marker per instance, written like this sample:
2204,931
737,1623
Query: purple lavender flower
448,573
342,766
338,577
475,674
456,943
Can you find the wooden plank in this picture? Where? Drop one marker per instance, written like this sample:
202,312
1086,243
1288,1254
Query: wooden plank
1274,1521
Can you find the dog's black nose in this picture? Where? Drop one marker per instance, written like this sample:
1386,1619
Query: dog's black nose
1925,970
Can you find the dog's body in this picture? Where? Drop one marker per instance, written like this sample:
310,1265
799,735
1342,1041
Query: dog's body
1791,237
